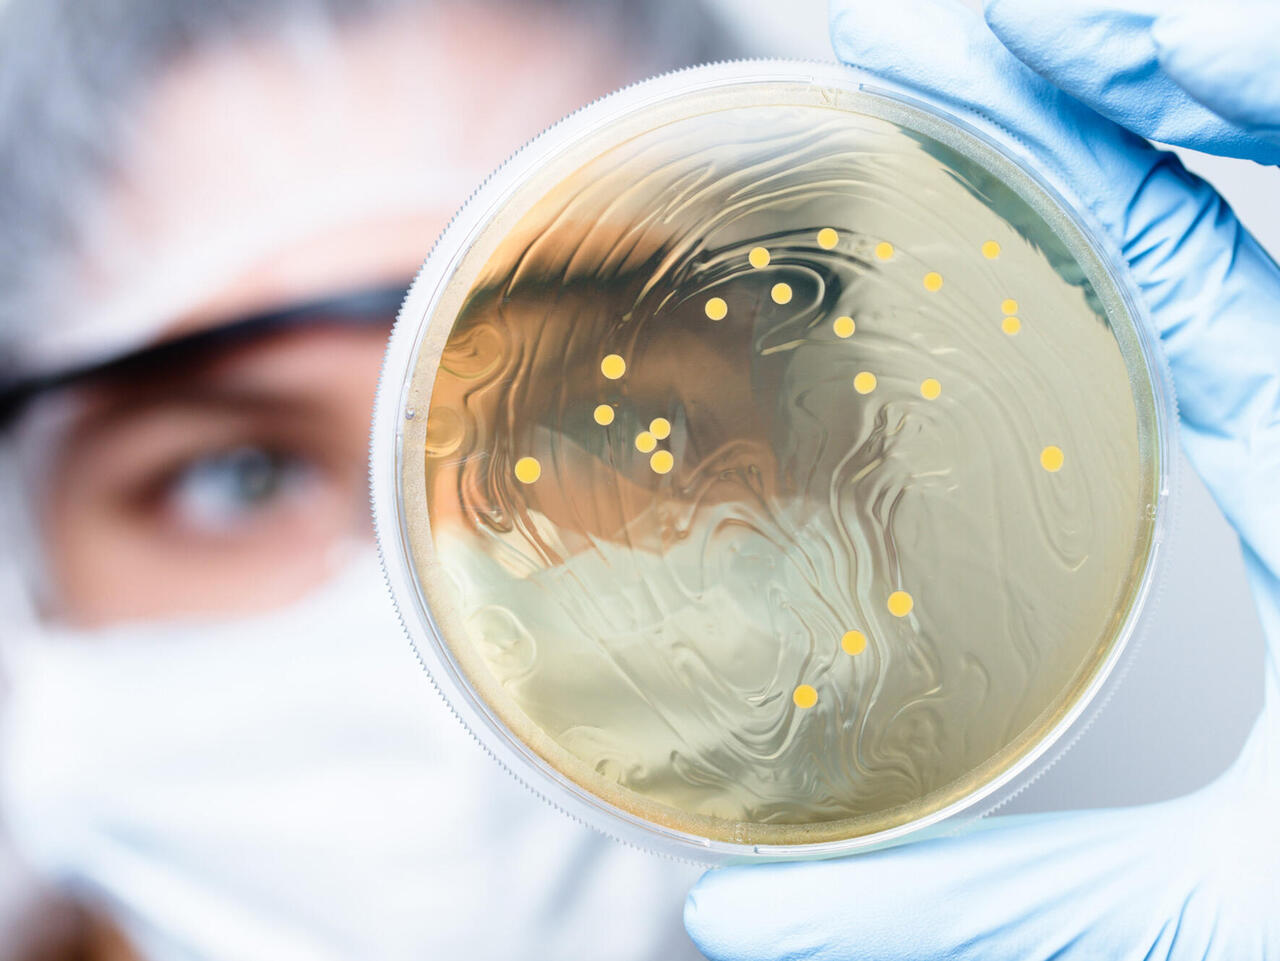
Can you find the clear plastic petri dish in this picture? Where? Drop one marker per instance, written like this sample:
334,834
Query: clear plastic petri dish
769,463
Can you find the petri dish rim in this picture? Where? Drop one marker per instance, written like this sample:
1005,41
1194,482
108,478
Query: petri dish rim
402,394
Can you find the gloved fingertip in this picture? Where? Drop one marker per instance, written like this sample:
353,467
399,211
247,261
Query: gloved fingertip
1005,18
704,917
877,35
1025,27
1173,34
996,10
1223,59
839,24
856,36
740,913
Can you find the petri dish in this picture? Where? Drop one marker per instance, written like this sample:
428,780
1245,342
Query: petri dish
770,463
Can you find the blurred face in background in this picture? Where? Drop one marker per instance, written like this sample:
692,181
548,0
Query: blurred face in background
213,729
265,176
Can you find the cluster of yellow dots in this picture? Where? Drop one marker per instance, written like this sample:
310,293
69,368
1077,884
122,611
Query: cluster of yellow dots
661,461
613,366
1010,324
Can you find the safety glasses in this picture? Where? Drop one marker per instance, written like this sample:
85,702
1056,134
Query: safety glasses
214,473
374,306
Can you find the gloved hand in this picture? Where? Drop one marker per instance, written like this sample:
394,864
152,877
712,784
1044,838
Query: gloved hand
1197,877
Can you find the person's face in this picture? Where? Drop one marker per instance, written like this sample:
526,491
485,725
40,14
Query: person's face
231,481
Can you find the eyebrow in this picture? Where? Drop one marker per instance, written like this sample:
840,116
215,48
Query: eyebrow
374,306
196,398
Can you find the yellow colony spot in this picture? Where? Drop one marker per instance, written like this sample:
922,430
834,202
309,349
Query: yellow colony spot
884,250
1011,325
805,696
759,257
528,470
660,428
1008,306
844,326
991,250
645,442
827,238
930,388
603,415
781,293
613,366
864,382
716,308
933,281
853,642
661,461
1051,458
900,603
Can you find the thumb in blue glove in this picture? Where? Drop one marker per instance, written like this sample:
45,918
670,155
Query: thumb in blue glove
1197,877
1199,75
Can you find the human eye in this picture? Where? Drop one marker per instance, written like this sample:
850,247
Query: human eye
225,491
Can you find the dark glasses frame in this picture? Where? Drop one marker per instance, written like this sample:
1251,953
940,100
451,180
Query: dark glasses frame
370,306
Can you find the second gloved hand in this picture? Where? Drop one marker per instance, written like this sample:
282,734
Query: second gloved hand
1193,878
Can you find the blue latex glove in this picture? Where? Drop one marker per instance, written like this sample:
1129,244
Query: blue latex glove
1197,877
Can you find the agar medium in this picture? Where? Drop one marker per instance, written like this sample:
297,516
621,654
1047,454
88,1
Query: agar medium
770,464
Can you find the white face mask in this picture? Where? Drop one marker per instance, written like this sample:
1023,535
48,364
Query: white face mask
290,786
